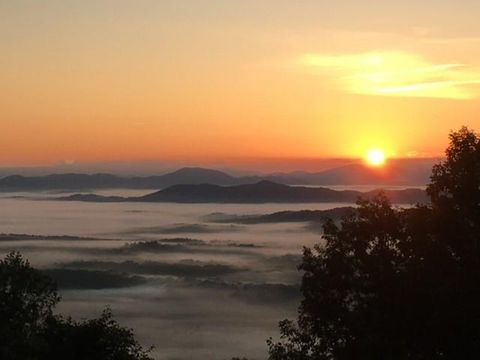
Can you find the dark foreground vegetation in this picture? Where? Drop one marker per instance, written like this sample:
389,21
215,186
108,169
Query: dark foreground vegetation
30,331
397,284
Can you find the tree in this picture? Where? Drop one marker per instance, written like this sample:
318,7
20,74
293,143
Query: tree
396,284
30,331
26,300
97,339
455,193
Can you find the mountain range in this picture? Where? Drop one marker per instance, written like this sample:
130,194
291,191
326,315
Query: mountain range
109,181
402,173
261,192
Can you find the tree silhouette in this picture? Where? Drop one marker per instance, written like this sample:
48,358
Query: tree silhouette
455,194
396,284
96,339
26,300
30,331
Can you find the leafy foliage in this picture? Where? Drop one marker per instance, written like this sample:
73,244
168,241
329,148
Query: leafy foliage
30,331
455,194
97,339
26,301
396,284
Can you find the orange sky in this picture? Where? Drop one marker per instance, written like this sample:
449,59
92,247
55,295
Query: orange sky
203,80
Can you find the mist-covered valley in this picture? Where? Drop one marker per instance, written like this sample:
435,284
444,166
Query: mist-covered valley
195,280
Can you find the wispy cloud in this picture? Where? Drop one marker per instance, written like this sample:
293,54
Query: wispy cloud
397,73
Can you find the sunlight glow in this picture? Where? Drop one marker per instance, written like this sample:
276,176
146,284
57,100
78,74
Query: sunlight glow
375,157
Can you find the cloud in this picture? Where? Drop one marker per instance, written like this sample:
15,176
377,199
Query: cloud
396,73
162,246
255,293
28,237
284,262
186,268
179,245
184,229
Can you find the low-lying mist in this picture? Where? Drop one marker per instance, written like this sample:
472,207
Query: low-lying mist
190,279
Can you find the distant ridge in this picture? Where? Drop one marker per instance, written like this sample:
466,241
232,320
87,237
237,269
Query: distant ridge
404,173
108,181
261,192
396,172
287,216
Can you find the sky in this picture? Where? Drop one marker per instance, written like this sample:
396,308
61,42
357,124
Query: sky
224,81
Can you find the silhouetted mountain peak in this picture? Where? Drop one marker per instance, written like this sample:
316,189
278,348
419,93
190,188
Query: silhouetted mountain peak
195,171
269,184
396,172
261,192
194,175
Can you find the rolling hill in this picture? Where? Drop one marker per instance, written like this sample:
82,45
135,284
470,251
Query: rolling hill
261,192
397,172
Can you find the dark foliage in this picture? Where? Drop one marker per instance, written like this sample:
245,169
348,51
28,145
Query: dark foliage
30,331
455,194
397,284
97,339
26,301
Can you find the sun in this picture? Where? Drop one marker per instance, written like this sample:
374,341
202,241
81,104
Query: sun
375,157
